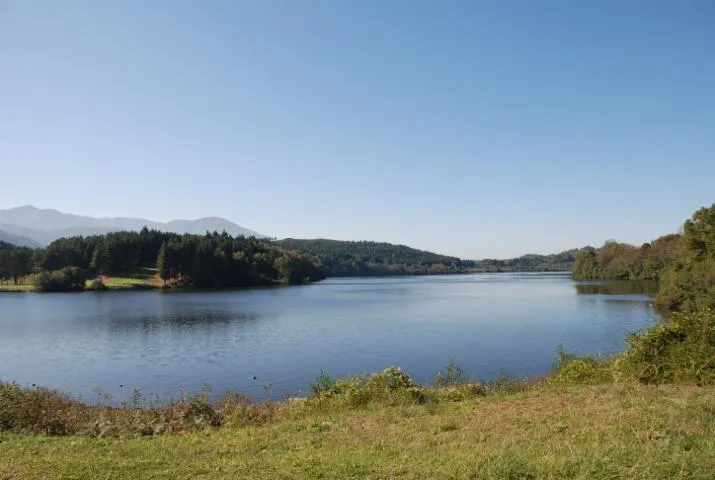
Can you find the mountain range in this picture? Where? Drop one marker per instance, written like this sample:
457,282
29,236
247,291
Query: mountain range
33,227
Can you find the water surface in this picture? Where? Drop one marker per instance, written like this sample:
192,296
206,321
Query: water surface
490,324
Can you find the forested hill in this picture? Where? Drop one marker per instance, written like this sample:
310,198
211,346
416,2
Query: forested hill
557,262
346,258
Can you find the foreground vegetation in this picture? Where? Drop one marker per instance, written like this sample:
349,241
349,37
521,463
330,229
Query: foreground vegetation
380,426
605,432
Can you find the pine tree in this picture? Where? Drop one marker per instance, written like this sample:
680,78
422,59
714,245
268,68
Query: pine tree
162,263
99,259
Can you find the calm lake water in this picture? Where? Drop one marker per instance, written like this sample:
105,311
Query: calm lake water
489,324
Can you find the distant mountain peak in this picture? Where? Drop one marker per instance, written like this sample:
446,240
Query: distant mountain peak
23,208
43,225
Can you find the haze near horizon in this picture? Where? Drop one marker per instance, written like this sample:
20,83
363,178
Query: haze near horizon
474,129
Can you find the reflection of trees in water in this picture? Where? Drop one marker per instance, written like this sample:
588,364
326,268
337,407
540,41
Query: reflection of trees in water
178,320
209,318
632,287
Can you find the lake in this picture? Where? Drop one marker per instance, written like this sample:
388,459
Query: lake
490,324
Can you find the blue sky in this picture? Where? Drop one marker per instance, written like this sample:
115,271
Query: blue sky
478,129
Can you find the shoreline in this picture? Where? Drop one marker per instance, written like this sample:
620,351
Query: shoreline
132,284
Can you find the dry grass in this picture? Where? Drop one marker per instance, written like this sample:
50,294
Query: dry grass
592,432
41,411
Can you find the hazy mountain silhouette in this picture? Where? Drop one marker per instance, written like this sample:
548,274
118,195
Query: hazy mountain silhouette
42,226
18,240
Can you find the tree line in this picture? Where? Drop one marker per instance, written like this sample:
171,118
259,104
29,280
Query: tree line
220,260
348,259
362,258
202,261
16,263
621,261
683,264
557,262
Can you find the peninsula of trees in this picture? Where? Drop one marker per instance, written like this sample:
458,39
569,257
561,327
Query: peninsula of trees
683,264
199,261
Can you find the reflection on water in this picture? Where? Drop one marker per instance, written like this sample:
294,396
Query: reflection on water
199,319
489,324
636,287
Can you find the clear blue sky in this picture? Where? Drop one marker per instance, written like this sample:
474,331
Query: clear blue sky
478,129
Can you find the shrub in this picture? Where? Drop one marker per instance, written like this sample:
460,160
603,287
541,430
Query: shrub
453,374
389,387
584,371
37,410
464,391
570,369
97,285
69,279
324,384
237,410
46,412
681,350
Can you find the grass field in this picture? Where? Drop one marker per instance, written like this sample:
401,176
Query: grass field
612,431
141,281
27,287
132,283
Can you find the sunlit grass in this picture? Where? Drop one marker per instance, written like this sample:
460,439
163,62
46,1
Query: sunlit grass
131,283
145,278
27,287
596,432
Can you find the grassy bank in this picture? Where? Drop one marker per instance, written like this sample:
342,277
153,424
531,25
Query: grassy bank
9,287
132,282
139,282
589,432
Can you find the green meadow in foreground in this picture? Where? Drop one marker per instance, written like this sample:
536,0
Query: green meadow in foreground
588,432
